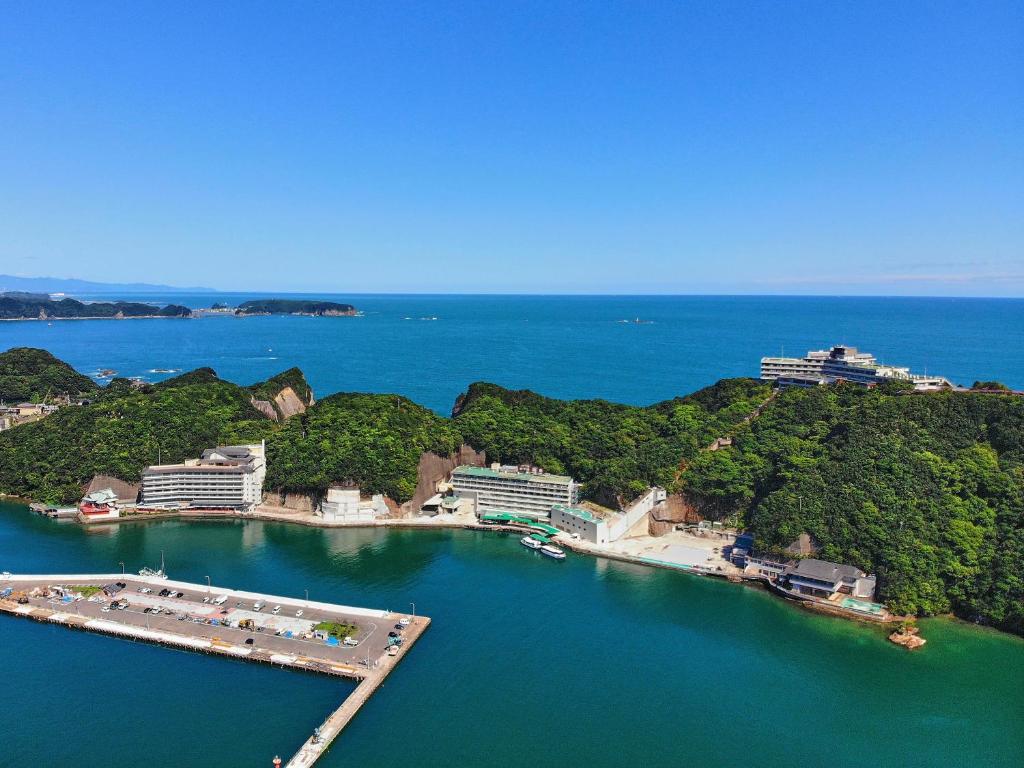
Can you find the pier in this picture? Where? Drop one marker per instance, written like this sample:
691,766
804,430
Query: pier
281,631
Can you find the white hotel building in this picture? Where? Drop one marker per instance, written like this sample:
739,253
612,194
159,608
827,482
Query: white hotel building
227,477
497,489
841,363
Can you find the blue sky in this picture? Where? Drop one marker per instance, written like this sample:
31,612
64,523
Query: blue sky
725,147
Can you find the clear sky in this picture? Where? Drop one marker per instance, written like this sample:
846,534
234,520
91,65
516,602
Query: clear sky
585,147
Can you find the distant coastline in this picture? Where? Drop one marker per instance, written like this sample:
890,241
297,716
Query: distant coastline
19,306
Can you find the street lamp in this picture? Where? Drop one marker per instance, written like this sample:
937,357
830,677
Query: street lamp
307,598
121,563
208,585
413,609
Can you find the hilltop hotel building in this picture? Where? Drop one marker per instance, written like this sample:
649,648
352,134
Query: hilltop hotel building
230,476
512,489
840,363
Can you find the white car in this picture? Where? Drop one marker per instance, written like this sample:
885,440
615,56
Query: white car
298,613
277,609
351,641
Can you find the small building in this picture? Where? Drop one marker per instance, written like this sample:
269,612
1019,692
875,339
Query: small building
584,523
766,566
125,494
99,505
445,504
820,578
345,504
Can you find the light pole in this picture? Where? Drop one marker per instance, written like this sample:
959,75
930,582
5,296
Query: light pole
121,563
307,598
413,609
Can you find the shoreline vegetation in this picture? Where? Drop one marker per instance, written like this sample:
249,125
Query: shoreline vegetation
924,490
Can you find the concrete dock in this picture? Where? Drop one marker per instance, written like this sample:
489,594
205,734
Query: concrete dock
276,630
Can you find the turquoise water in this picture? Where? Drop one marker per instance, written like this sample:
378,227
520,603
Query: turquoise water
560,346
528,662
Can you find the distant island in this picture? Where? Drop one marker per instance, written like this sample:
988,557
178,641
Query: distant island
17,305
295,307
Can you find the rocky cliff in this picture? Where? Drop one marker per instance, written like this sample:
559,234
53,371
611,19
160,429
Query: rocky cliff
433,469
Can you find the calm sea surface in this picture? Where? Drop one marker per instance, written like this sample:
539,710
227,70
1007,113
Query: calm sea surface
528,662
573,347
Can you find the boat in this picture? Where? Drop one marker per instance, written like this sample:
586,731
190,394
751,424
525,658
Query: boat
526,541
161,574
552,551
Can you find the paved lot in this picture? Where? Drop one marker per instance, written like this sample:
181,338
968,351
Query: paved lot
372,631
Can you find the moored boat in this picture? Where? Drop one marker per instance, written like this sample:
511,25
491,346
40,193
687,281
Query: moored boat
526,541
552,551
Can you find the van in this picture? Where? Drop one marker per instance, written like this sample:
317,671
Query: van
258,606
351,641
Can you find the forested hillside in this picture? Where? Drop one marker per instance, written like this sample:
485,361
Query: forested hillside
927,490
124,430
616,450
372,440
28,374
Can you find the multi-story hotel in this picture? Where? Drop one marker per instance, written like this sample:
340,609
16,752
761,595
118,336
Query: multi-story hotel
524,491
230,476
841,363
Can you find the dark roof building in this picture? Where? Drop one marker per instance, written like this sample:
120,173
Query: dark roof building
820,578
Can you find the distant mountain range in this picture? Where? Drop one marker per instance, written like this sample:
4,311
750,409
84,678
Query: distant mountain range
73,285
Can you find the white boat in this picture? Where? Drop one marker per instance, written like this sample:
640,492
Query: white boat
552,551
526,541
161,574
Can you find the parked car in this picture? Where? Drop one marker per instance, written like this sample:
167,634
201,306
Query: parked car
248,641
298,613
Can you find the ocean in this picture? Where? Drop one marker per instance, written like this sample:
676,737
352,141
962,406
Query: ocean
430,348
528,661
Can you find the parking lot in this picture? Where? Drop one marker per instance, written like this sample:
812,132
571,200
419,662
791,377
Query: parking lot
279,625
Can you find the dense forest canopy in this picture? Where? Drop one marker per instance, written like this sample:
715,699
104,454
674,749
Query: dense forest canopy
926,490
616,450
372,440
121,432
29,375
